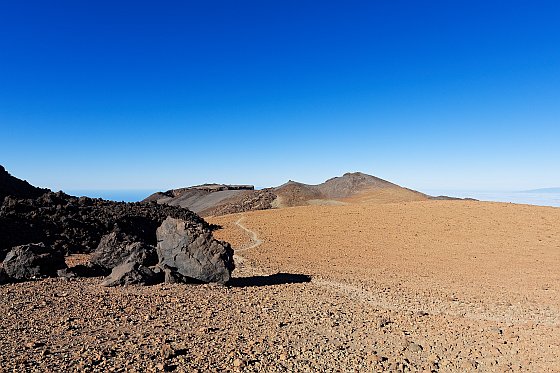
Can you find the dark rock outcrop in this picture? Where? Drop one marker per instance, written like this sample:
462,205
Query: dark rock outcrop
76,225
86,270
122,237
31,261
130,273
66,273
193,254
118,247
12,186
448,198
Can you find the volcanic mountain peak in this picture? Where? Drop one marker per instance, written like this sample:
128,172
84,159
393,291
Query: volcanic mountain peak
218,199
12,186
352,183
356,185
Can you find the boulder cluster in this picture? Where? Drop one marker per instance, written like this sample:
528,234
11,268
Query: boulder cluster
130,243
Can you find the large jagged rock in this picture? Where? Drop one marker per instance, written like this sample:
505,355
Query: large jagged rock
130,273
117,247
31,261
192,253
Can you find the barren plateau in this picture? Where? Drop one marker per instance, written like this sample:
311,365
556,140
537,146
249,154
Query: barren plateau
436,286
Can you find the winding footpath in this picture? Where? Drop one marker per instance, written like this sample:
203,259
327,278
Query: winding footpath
496,313
254,242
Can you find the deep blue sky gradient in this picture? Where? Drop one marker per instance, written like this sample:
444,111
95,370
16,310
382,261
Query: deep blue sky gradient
140,95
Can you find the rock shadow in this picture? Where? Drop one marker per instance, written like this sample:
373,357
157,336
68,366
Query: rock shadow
215,227
270,280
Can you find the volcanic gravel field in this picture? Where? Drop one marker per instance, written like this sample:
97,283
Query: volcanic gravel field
420,286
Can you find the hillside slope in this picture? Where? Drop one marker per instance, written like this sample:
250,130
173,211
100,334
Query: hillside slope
221,199
216,199
353,187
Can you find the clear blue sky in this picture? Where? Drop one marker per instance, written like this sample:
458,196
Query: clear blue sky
428,94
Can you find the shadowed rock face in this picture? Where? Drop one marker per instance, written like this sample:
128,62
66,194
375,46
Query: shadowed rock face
193,255
186,255
131,273
37,233
3,276
116,247
33,261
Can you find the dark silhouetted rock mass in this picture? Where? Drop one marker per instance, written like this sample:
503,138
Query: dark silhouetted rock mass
37,233
12,186
76,225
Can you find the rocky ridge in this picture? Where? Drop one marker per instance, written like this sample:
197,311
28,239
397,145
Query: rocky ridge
221,199
36,234
76,225
12,186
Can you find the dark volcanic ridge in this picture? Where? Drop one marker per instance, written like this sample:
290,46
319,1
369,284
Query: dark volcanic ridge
12,186
38,228
76,225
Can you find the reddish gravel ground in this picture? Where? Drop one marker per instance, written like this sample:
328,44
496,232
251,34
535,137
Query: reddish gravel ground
469,265
422,286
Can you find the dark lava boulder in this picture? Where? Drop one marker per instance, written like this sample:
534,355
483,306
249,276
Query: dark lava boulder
193,254
117,247
33,261
130,273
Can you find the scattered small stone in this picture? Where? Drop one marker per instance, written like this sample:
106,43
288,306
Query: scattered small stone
34,344
383,322
414,347
167,352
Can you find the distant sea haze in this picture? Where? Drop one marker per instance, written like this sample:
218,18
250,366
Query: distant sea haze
539,197
120,195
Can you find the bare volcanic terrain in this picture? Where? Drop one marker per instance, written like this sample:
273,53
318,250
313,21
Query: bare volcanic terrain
342,283
216,199
12,186
349,188
220,199
436,286
468,285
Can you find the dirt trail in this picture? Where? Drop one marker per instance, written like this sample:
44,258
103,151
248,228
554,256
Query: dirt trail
255,241
508,313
